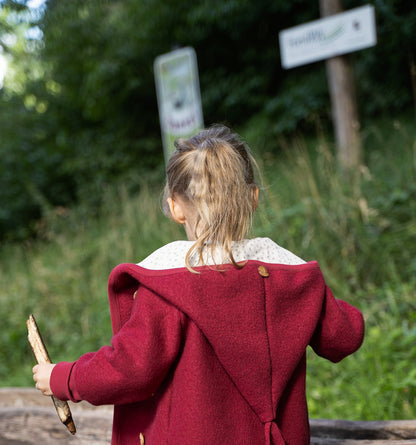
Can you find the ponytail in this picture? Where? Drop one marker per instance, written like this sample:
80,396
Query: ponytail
214,172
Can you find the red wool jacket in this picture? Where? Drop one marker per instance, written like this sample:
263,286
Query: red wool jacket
212,358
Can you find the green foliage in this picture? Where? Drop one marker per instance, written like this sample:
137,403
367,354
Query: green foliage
78,110
307,102
29,171
389,62
238,57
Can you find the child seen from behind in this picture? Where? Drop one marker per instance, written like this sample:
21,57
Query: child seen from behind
210,334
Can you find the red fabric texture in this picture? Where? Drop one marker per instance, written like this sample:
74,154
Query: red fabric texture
212,358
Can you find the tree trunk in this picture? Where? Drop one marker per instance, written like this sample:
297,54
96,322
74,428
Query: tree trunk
413,78
343,99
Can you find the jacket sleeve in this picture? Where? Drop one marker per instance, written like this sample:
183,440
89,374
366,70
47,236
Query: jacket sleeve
135,364
340,330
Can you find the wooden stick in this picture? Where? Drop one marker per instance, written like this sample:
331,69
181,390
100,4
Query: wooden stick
42,356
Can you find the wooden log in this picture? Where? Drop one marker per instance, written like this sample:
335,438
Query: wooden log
42,356
25,419
331,441
337,432
35,425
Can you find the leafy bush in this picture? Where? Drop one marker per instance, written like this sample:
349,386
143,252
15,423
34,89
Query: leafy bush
84,114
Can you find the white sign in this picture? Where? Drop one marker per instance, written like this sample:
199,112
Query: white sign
178,96
328,37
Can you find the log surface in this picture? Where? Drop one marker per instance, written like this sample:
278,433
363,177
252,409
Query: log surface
27,418
345,432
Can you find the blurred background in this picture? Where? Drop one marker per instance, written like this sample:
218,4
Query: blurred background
82,168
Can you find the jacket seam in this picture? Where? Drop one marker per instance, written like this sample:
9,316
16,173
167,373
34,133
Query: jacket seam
266,324
181,322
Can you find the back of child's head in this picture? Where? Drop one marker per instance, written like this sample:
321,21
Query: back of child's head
214,172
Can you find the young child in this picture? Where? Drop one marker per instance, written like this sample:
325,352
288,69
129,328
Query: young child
210,334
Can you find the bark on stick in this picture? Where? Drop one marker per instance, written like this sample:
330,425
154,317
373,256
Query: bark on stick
42,356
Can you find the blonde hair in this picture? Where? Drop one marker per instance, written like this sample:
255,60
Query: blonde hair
214,172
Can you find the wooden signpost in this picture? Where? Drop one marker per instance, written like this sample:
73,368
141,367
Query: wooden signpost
341,84
332,38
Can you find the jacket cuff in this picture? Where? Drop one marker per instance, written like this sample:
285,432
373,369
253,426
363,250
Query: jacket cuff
59,382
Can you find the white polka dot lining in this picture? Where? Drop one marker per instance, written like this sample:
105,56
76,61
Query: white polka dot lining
173,255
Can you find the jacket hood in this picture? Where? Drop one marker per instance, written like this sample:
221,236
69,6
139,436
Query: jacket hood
258,319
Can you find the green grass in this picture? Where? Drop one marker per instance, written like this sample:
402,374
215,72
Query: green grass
360,226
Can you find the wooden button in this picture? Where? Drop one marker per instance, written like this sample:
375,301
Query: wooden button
141,438
135,295
263,271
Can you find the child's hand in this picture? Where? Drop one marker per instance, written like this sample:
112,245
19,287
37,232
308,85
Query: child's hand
42,376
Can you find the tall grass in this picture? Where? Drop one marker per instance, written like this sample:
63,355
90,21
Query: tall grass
359,225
